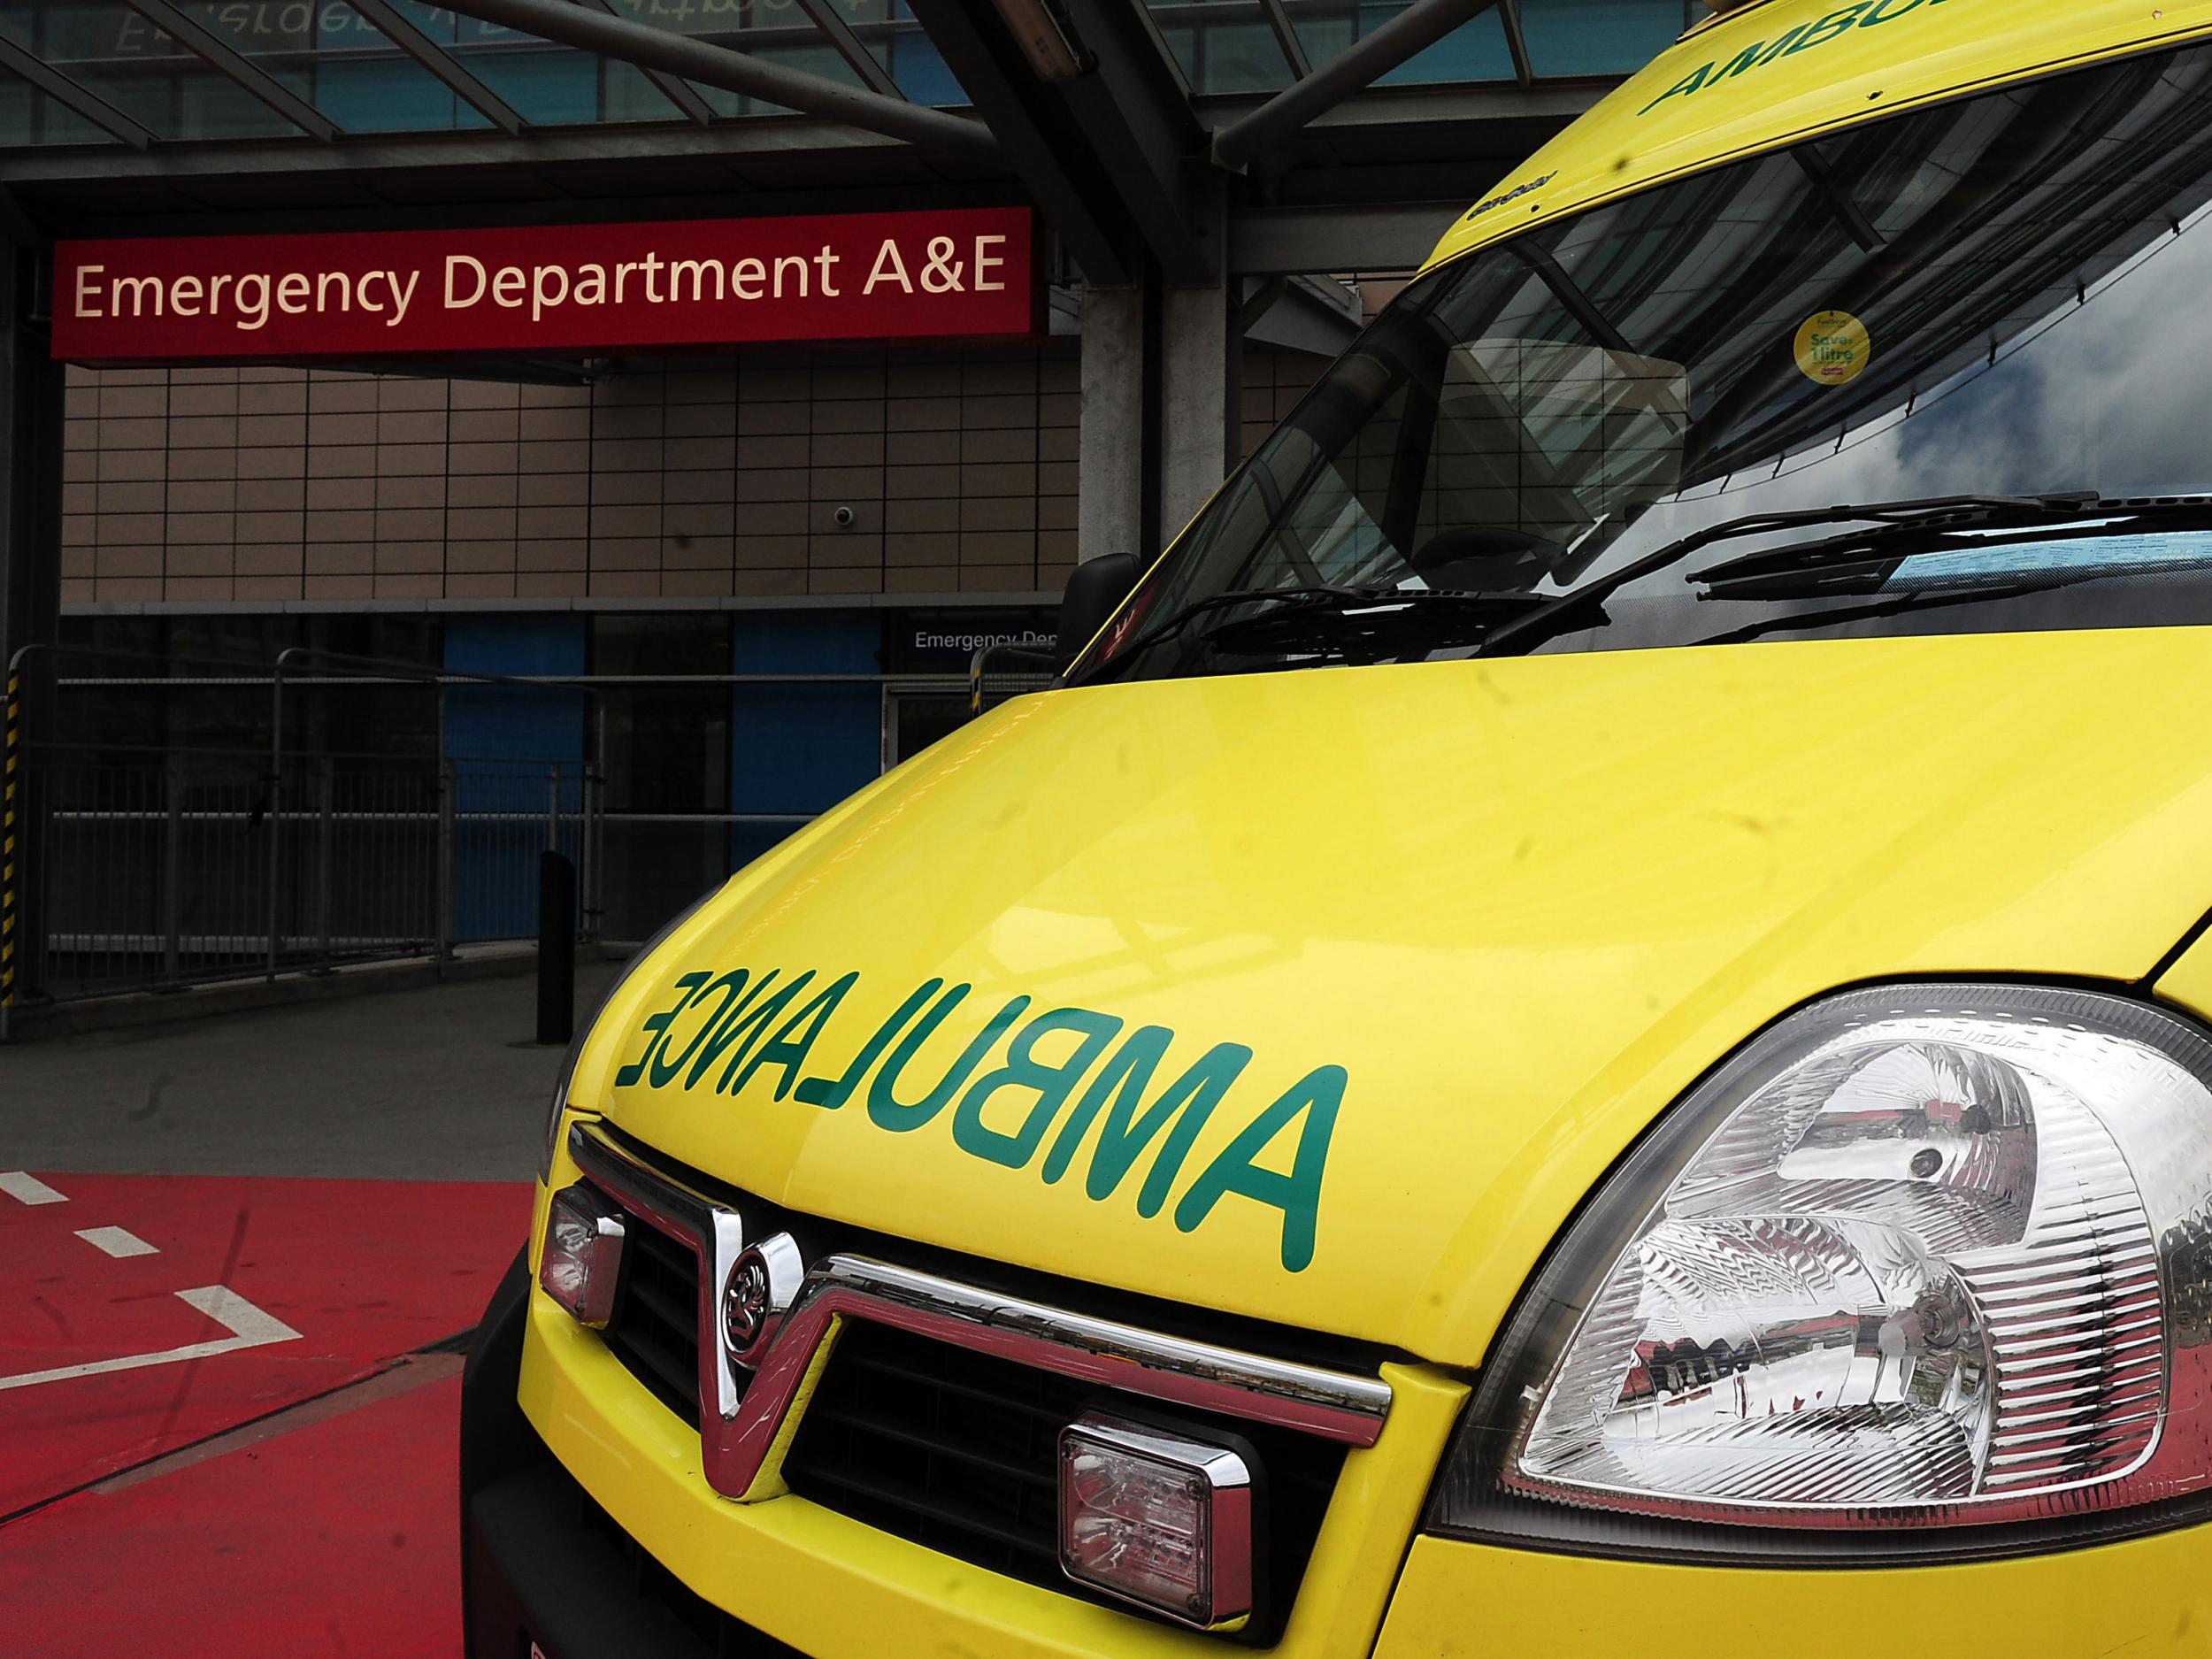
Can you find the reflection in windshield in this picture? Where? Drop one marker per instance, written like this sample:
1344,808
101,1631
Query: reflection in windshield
2000,297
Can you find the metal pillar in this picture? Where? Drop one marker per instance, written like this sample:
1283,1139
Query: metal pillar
32,387
1162,411
1198,401
1111,456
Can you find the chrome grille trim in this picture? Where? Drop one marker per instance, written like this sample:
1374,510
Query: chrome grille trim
745,1423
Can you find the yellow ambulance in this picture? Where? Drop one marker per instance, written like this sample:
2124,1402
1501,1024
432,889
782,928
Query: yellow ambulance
1579,1027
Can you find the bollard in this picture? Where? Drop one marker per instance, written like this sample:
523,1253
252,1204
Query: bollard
556,948
173,875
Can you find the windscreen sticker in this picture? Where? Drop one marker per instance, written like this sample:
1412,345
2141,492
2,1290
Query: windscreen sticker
1806,36
1128,1097
1833,347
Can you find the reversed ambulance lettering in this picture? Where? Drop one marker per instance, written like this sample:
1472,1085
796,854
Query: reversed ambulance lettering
1865,15
1108,1095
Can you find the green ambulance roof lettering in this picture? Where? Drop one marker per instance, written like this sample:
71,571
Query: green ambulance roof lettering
1513,194
1865,15
768,1027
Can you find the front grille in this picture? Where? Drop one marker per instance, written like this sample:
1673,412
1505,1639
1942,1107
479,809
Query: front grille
654,1330
958,1451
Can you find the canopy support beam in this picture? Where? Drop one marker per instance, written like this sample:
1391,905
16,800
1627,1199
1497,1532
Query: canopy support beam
1516,41
402,33
1372,56
227,61
675,89
1287,37
711,66
74,97
825,17
1075,198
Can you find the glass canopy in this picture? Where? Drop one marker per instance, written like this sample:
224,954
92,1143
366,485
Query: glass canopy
261,69
28,118
1235,46
546,84
115,54
358,78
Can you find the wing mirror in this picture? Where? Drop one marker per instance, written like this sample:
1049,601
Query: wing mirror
1093,593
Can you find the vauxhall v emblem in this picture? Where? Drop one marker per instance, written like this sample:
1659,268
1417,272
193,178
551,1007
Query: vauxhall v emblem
745,1308
762,1283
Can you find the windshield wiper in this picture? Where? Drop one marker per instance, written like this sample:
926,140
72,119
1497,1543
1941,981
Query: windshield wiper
2014,587
1868,561
1526,633
1386,615
1311,602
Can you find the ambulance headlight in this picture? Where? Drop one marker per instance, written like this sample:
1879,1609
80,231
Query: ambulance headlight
1918,1257
567,1073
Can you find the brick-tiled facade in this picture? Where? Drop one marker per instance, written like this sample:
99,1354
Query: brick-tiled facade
265,484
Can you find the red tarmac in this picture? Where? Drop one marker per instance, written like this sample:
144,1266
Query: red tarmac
282,1494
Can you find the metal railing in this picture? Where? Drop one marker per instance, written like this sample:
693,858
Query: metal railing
125,866
157,870
996,672
126,869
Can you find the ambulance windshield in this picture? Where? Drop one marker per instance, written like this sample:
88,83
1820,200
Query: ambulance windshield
2001,296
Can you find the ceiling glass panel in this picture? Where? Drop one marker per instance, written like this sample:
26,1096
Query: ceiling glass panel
782,32
325,52
1476,51
1599,37
329,54
1226,45
343,65
547,85
334,59
115,53
916,64
29,117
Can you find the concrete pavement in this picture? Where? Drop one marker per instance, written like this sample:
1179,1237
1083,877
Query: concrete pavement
405,1085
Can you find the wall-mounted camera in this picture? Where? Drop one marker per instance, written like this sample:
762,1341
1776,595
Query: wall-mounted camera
844,516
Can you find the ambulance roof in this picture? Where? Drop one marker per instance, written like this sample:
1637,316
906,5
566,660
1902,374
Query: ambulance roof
1771,73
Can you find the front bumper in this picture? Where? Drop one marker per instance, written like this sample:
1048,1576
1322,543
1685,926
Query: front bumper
2148,1599
832,1586
618,1548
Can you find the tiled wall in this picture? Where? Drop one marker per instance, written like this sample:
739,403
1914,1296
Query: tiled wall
261,484
244,484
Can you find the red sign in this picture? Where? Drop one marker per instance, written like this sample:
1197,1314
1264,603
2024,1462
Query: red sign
960,273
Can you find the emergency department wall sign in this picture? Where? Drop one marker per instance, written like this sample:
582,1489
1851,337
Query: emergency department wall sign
966,274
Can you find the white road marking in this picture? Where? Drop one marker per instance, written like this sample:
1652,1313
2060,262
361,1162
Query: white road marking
117,1242
28,1188
250,1328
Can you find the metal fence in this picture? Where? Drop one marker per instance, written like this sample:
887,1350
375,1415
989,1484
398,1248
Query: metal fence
157,870
133,862
130,868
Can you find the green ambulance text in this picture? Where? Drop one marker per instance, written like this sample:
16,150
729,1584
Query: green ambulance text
755,1025
1865,15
